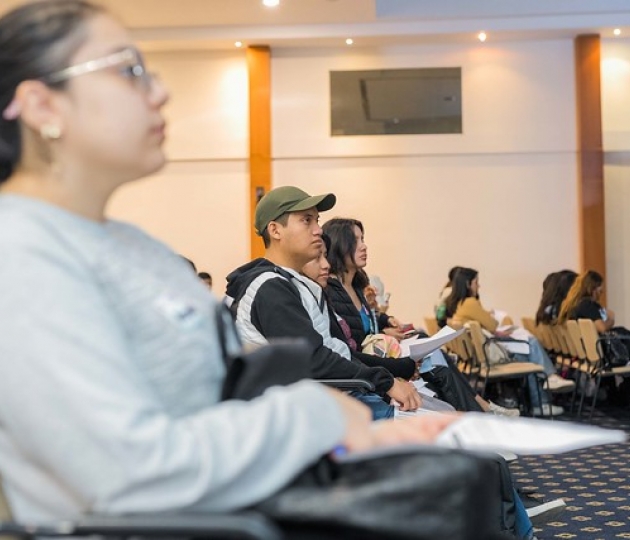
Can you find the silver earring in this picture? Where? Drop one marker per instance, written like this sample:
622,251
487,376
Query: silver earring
50,132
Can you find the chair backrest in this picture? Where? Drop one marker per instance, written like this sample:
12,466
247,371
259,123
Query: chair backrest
563,332
477,340
573,331
530,325
431,325
553,338
544,337
589,339
558,336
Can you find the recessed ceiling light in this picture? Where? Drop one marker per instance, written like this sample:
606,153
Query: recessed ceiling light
238,44
349,41
270,3
481,36
617,31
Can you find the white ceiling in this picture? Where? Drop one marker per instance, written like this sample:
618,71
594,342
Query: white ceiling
217,24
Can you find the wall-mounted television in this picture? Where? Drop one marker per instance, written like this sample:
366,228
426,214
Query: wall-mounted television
396,101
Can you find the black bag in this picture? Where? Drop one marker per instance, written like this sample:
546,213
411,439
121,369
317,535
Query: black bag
615,351
419,493
423,493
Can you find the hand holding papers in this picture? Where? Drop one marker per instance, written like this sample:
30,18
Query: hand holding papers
419,348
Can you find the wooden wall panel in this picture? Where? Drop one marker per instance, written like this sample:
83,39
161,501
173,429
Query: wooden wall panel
259,70
590,154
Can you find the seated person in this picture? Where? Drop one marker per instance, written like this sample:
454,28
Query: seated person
206,278
111,375
583,302
555,289
440,305
381,297
273,299
463,305
348,257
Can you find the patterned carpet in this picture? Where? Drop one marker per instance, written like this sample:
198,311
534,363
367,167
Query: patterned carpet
594,482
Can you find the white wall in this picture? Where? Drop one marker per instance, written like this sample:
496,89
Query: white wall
199,203
616,130
500,197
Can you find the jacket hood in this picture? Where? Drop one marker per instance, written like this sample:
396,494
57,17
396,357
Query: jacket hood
238,280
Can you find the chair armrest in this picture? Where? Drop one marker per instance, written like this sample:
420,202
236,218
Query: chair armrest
241,526
348,384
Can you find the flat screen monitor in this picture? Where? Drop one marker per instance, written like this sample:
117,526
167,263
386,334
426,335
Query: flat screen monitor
396,101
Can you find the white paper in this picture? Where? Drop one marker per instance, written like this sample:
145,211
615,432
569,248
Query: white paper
499,315
422,388
515,347
521,346
525,436
507,328
419,348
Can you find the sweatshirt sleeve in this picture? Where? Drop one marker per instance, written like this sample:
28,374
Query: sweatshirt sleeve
277,312
77,410
472,310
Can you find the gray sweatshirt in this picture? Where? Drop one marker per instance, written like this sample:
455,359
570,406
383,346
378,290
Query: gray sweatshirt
110,375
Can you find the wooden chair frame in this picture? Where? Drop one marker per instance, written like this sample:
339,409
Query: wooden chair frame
475,343
593,364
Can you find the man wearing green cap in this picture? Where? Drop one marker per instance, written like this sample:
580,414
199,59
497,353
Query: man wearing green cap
272,299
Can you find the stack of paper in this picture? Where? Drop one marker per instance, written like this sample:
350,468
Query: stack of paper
419,348
477,431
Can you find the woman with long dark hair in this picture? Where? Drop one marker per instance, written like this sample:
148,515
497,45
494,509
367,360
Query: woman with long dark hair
583,302
555,289
347,256
463,305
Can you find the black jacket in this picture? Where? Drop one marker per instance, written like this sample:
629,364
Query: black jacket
273,308
342,304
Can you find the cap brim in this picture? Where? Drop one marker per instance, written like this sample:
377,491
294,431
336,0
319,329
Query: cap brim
321,202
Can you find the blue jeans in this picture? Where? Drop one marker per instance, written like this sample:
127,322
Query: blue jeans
380,409
537,355
523,527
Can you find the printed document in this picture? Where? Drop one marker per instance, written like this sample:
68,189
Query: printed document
419,348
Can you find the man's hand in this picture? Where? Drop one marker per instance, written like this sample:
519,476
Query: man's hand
406,395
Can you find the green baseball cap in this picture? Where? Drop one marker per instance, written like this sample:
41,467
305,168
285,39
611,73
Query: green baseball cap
288,199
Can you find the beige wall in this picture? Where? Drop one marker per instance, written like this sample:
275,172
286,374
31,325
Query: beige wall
616,128
500,197
198,204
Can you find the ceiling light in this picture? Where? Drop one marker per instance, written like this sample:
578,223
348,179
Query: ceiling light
481,36
238,44
349,41
270,3
617,31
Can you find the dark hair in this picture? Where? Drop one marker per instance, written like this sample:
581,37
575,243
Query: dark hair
282,219
451,274
327,242
192,264
582,287
555,289
460,289
343,243
36,39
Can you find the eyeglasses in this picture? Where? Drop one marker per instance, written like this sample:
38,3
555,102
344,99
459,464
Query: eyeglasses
128,61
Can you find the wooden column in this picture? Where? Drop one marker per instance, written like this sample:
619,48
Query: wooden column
259,70
590,154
